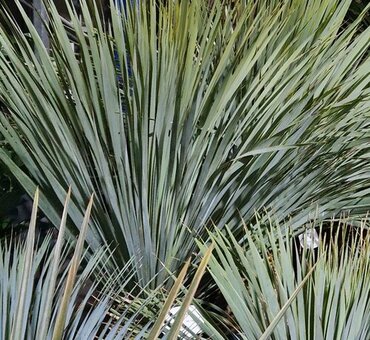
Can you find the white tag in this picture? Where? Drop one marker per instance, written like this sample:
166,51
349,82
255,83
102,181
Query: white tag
309,238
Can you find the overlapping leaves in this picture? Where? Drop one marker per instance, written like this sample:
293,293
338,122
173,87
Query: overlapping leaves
54,289
277,288
185,115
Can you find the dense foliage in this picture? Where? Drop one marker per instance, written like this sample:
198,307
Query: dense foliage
183,117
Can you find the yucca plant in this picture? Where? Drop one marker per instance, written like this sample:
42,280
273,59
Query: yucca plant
183,115
279,288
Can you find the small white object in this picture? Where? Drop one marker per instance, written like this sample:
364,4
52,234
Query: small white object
309,238
191,321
